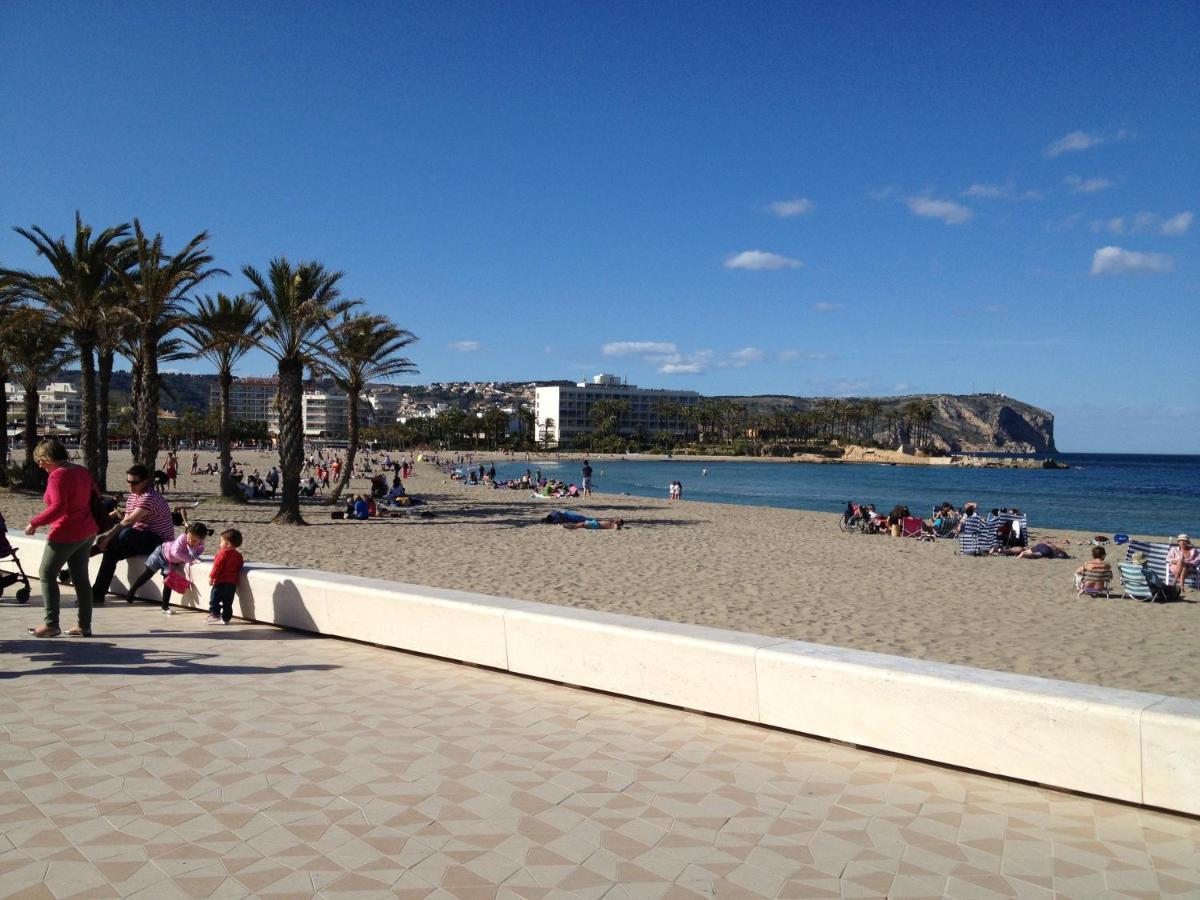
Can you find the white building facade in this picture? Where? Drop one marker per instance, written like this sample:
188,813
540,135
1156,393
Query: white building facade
250,400
60,408
651,411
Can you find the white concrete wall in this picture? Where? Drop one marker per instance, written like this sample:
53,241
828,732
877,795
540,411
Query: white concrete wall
1140,748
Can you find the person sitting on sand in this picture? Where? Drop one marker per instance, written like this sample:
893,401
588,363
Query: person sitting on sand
595,523
1183,561
1095,573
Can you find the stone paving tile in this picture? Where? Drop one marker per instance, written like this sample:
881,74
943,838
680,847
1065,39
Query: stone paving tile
166,759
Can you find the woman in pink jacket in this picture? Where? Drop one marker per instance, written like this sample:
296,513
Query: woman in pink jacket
68,512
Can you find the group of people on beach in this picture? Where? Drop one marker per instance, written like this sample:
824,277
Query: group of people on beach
81,525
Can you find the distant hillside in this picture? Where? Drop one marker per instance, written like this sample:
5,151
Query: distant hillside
978,423
956,422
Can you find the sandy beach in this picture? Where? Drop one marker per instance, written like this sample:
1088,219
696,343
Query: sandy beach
785,573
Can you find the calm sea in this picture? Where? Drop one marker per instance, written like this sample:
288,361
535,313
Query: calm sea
1139,495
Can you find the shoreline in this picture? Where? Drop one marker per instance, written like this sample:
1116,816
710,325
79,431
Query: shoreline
771,571
869,456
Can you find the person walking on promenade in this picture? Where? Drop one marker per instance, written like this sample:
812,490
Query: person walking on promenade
68,512
146,524
226,570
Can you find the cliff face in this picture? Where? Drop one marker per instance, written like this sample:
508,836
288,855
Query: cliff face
957,423
990,423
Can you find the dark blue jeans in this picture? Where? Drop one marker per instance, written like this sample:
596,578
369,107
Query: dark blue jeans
220,601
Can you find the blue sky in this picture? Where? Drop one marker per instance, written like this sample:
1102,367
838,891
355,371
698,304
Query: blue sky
852,199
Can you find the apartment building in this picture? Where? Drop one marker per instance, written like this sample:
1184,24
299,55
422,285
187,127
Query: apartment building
651,410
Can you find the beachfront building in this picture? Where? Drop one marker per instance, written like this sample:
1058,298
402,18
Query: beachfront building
325,414
250,400
59,409
386,406
563,413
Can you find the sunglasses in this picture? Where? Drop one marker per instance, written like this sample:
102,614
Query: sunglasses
132,482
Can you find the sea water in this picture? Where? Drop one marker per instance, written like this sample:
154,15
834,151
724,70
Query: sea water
1138,495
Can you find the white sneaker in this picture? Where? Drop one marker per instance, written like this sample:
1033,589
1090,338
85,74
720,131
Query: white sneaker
213,620
168,611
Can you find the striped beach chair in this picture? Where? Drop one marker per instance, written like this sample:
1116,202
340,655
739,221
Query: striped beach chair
1156,560
1136,586
1094,584
1018,527
976,537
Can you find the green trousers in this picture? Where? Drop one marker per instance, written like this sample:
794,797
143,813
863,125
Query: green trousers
75,558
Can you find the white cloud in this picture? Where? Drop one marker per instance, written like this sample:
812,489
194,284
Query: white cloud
1177,224
464,346
786,209
739,359
760,260
988,191
806,355
946,210
825,307
627,348
882,193
1076,140
1116,261
1066,223
681,369
1145,222
1084,140
1087,185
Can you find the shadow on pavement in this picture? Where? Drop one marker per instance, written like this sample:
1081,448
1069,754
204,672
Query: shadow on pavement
89,656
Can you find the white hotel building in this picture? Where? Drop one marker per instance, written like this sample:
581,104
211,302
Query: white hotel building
570,407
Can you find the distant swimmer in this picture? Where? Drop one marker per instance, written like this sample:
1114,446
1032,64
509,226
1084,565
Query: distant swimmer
704,471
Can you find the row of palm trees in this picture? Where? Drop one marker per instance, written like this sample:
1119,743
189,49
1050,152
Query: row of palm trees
119,292
718,420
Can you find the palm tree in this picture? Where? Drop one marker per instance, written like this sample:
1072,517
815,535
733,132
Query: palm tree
9,336
36,358
156,293
298,301
223,331
363,348
83,278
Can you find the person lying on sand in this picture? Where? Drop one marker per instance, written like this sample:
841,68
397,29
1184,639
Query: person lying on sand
595,523
1037,551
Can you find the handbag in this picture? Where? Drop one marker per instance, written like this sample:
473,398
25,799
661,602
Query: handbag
177,581
99,510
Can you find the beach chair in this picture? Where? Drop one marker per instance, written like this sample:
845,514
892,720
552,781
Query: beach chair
1136,586
976,537
1156,560
912,527
1094,584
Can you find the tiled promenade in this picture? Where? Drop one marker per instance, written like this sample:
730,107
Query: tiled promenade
165,758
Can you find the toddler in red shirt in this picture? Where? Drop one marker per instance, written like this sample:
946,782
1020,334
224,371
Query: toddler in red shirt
226,569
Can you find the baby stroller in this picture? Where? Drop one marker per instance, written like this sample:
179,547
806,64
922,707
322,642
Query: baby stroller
8,576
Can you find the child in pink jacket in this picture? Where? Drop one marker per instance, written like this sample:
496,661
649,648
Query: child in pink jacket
173,555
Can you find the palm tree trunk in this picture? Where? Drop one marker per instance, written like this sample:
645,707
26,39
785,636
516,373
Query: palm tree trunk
105,360
146,425
135,393
32,478
227,488
351,446
3,426
85,341
291,441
